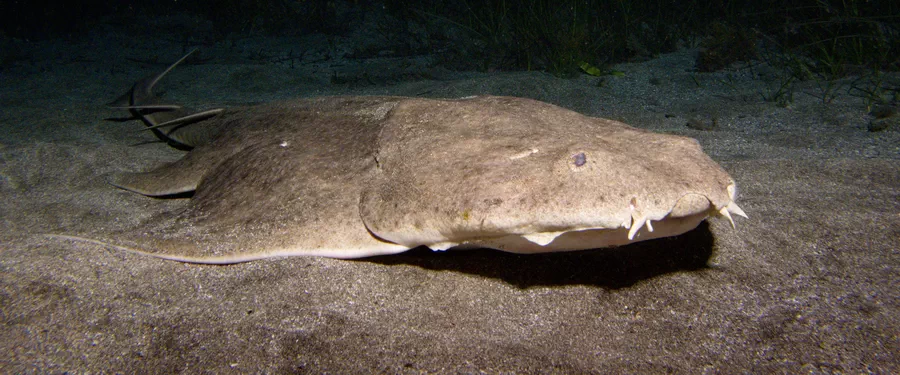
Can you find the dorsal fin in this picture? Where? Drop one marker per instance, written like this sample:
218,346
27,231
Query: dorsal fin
143,89
156,115
191,118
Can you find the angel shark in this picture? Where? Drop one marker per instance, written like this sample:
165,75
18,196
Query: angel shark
359,176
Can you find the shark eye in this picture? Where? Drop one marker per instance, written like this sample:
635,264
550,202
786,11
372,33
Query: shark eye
580,159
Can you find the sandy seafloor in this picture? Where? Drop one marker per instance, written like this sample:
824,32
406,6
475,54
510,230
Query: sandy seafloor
809,284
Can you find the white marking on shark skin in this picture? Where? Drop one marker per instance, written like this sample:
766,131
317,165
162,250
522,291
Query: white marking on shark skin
523,154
